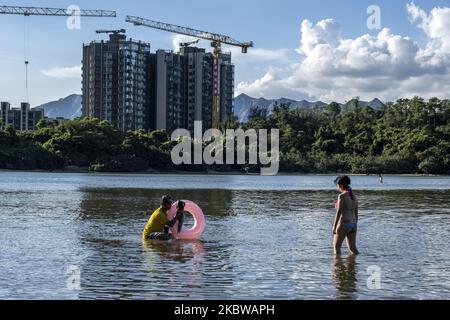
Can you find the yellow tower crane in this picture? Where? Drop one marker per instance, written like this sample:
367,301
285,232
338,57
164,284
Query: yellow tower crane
216,42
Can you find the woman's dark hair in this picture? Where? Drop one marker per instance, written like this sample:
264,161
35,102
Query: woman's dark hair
181,205
345,182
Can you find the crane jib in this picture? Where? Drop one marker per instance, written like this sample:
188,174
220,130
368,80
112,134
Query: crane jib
215,37
41,11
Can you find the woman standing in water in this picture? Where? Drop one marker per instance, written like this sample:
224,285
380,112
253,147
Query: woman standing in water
346,220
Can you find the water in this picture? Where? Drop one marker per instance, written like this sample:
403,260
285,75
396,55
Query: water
266,238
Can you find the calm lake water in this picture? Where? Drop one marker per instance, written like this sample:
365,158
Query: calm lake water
266,238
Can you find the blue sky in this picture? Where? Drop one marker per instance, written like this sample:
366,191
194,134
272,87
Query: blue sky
274,26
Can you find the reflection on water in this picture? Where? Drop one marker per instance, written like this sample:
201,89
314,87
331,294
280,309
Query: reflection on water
182,268
345,276
180,251
258,244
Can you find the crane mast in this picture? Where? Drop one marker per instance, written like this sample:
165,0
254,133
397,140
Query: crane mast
216,42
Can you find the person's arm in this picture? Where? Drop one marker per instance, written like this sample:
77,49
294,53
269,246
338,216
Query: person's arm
338,213
356,210
180,221
172,222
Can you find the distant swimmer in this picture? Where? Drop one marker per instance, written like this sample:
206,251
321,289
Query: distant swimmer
381,178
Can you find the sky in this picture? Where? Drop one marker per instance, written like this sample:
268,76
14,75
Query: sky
314,50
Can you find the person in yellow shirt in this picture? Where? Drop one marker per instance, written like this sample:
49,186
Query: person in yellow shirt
157,227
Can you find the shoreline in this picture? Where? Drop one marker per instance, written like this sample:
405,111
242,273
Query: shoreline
215,173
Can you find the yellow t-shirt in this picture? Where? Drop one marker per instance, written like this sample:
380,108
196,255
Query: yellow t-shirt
156,222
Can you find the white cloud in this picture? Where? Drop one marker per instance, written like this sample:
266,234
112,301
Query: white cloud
259,54
63,73
436,26
260,87
323,33
387,66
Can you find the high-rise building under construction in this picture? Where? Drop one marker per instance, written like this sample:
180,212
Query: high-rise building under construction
115,82
198,86
134,89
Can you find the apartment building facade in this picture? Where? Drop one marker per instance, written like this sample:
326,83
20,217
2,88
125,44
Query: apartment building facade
197,86
134,89
185,88
115,82
22,119
226,87
169,88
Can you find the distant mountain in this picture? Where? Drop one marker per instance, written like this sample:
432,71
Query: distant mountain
375,103
68,107
243,103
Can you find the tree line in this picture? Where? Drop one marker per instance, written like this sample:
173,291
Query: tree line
408,136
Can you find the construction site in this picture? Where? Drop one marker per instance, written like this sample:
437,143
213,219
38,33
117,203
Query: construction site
135,88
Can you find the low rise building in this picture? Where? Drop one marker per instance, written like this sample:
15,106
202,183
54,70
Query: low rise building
22,119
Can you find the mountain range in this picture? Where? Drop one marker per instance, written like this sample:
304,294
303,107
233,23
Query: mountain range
70,106
243,103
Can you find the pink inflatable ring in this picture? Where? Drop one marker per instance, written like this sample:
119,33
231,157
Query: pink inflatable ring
199,222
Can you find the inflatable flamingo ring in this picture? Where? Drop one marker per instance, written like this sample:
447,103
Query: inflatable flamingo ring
199,222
